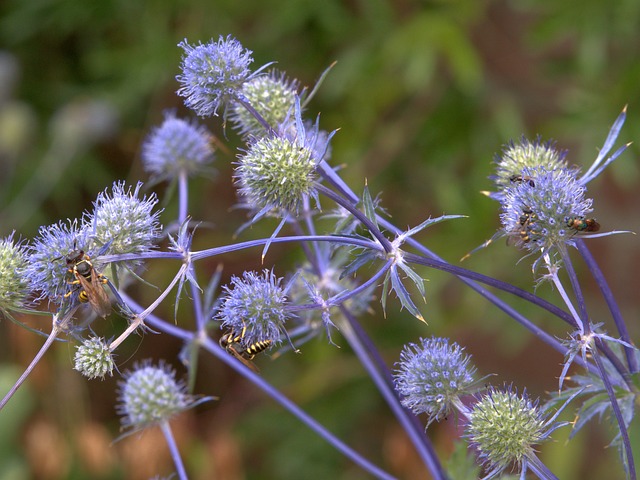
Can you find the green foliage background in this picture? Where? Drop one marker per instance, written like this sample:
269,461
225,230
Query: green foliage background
424,94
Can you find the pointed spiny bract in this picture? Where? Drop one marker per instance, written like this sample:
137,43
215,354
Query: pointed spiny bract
14,285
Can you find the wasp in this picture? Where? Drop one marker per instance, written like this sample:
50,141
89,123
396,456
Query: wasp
234,344
522,179
583,224
524,228
89,282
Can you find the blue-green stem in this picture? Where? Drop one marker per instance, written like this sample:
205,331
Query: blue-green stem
173,448
611,303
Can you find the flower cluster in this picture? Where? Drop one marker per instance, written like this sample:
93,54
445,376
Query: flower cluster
121,222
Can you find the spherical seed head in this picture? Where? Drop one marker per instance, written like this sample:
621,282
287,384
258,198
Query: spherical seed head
150,395
516,157
177,147
272,96
124,221
432,376
213,74
504,427
93,359
257,302
539,215
47,270
14,285
277,172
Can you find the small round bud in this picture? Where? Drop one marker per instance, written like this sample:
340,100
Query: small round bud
177,147
151,395
432,376
93,359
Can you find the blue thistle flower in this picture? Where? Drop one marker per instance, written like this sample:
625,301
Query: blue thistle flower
47,270
123,221
93,359
177,147
151,395
545,214
432,376
504,427
272,96
213,74
14,286
257,303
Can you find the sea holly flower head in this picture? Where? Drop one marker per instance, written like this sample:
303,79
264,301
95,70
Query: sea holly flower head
213,74
14,286
546,213
272,96
516,157
93,359
150,395
123,221
47,270
278,171
431,377
505,427
255,305
177,147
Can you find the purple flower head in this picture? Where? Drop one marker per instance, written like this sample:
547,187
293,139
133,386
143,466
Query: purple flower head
256,304
432,376
47,270
545,212
213,74
177,147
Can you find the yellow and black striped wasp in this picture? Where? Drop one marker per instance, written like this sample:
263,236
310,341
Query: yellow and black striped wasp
235,345
88,281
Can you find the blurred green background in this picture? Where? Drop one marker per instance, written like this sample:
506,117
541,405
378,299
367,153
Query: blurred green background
424,94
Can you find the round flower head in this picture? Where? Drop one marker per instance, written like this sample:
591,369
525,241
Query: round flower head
14,286
47,270
547,212
272,96
278,171
124,222
432,376
151,395
93,359
213,74
504,427
177,147
256,305
516,157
